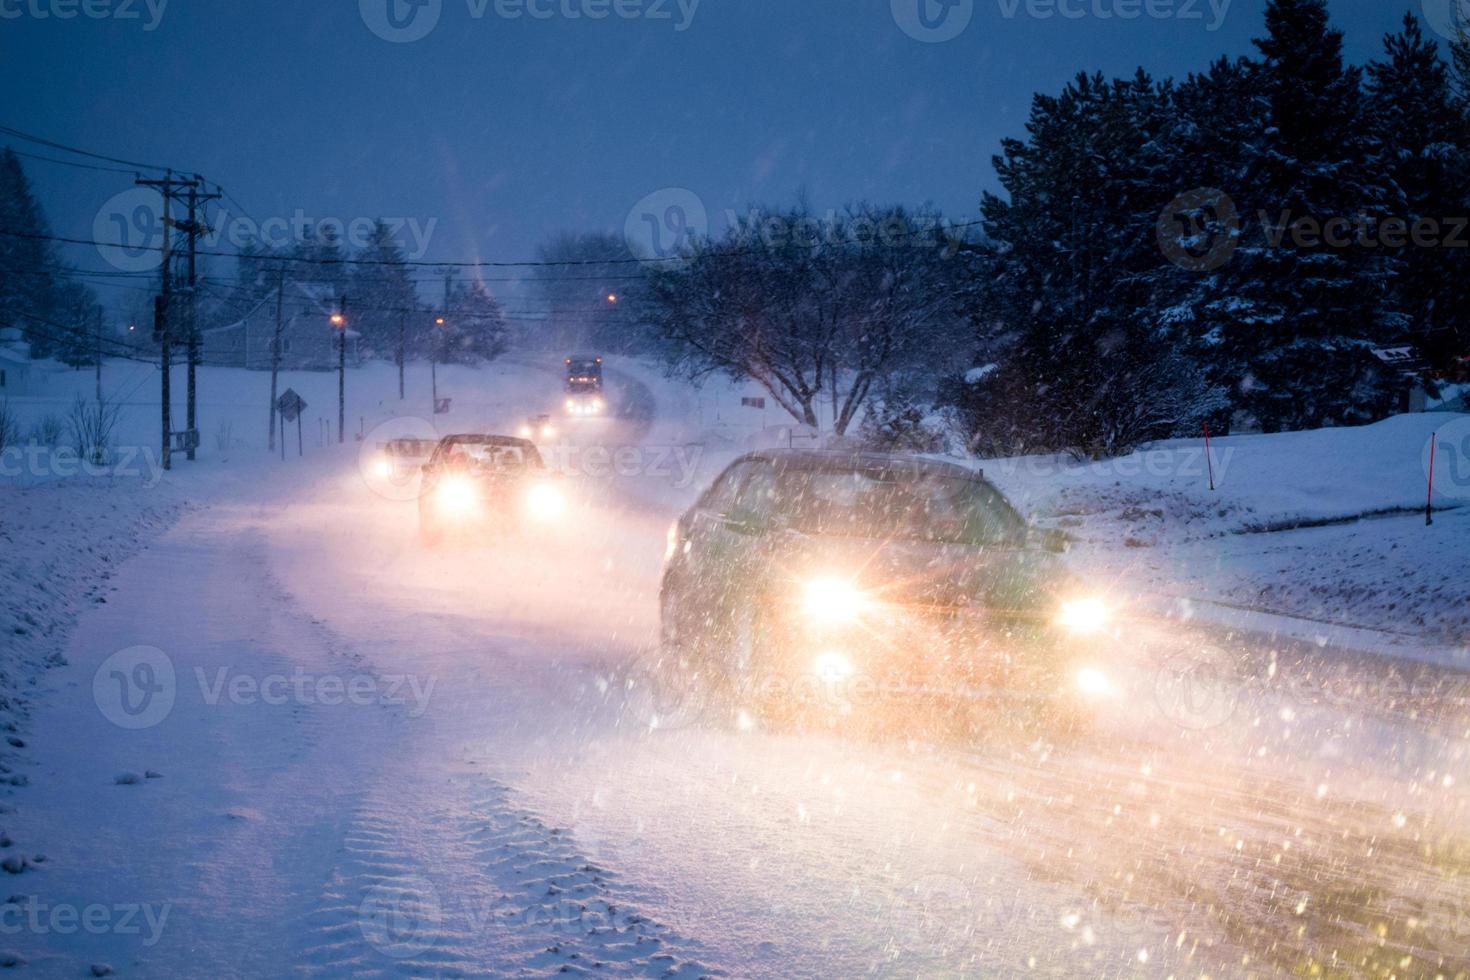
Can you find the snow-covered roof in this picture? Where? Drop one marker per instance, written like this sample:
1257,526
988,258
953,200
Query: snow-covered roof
14,356
319,297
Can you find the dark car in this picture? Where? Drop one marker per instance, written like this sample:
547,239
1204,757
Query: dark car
478,483
838,580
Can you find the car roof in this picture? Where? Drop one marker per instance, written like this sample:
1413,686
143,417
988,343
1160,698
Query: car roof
827,459
479,439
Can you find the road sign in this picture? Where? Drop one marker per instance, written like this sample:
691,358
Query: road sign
290,405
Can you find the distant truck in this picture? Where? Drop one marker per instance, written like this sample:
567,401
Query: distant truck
584,385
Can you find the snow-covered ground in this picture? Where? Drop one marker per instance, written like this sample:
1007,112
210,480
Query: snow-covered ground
293,742
1326,525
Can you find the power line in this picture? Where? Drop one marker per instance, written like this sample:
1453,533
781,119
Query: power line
42,141
478,264
69,163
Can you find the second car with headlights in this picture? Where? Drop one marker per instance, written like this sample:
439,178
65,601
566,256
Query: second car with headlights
805,576
478,483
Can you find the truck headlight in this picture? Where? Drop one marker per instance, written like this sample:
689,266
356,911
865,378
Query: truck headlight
545,502
832,602
1084,615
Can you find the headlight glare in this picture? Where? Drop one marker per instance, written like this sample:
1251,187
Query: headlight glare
831,601
456,495
1084,615
545,502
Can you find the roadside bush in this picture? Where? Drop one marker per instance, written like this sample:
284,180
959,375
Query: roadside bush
91,429
9,428
898,423
48,431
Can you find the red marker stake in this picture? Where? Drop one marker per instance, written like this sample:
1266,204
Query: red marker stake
1429,504
1209,460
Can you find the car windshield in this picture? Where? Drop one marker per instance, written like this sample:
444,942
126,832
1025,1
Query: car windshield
928,506
482,457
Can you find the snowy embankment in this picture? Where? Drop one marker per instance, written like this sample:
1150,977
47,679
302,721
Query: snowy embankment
61,543
1327,525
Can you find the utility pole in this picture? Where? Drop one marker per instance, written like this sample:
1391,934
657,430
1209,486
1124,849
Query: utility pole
194,228
97,322
276,349
341,322
440,326
162,315
402,327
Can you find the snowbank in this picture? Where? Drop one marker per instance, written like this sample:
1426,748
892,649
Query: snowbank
1325,524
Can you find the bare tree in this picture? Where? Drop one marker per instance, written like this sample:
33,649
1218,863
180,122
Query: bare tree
810,308
91,429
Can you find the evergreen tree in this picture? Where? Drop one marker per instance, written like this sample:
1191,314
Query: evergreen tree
32,289
1421,136
1296,321
383,294
475,329
1070,284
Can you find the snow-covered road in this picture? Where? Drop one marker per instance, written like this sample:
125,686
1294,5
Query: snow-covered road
294,742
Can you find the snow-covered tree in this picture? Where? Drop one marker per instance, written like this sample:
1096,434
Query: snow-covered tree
475,329
383,296
811,321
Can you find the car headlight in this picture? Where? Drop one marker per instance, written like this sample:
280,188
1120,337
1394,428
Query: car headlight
1094,683
548,432
1084,615
545,502
833,667
832,602
457,495
382,467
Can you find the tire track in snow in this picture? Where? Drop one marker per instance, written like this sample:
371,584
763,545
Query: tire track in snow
480,888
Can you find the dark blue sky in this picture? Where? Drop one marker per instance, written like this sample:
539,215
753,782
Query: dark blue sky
505,130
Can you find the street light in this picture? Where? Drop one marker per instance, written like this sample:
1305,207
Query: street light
339,321
434,364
